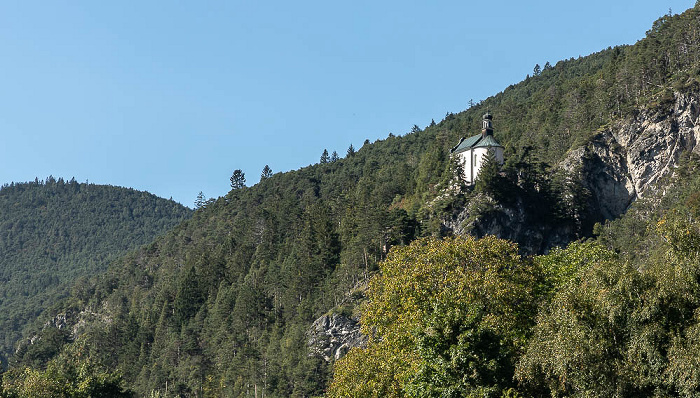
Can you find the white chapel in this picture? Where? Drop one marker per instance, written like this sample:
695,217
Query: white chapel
472,152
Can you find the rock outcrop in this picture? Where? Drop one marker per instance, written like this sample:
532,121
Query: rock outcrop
630,158
71,320
483,216
332,336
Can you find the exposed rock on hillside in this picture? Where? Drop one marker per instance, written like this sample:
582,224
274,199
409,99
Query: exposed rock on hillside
71,321
654,140
332,336
630,158
483,216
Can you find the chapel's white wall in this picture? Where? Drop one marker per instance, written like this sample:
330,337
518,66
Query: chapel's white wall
465,159
472,160
479,156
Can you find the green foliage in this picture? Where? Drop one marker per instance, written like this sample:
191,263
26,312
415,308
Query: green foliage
445,318
351,151
562,265
491,182
614,328
221,305
200,201
543,197
189,297
71,375
237,179
46,345
266,173
606,326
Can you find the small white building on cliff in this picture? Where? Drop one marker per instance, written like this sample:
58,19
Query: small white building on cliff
472,152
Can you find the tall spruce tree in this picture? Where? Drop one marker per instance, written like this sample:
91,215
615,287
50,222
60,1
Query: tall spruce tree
200,201
238,179
266,173
324,156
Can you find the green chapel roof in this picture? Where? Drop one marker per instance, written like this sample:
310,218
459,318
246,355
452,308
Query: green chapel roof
487,141
476,141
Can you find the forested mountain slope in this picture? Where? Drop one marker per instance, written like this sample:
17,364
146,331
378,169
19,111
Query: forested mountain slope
53,233
612,316
222,304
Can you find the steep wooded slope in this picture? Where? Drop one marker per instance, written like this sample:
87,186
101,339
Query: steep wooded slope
53,232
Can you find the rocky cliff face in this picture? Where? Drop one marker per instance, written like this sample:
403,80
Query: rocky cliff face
332,336
631,158
619,164
483,216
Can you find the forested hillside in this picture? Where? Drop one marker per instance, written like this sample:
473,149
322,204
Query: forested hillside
221,305
612,316
54,233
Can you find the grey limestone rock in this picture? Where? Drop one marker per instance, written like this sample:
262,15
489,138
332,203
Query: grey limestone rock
633,156
333,335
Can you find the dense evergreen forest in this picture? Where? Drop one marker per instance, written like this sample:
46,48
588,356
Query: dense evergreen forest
221,305
55,232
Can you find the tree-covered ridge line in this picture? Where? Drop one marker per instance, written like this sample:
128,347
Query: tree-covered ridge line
221,305
54,233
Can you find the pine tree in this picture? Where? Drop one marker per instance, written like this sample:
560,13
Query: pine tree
188,298
201,199
334,156
489,179
266,173
324,156
237,179
537,70
351,151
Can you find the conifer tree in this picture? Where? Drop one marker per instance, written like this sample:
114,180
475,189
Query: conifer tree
324,157
266,173
490,180
237,179
201,199
188,298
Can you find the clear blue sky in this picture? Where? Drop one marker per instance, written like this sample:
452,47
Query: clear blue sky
170,97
